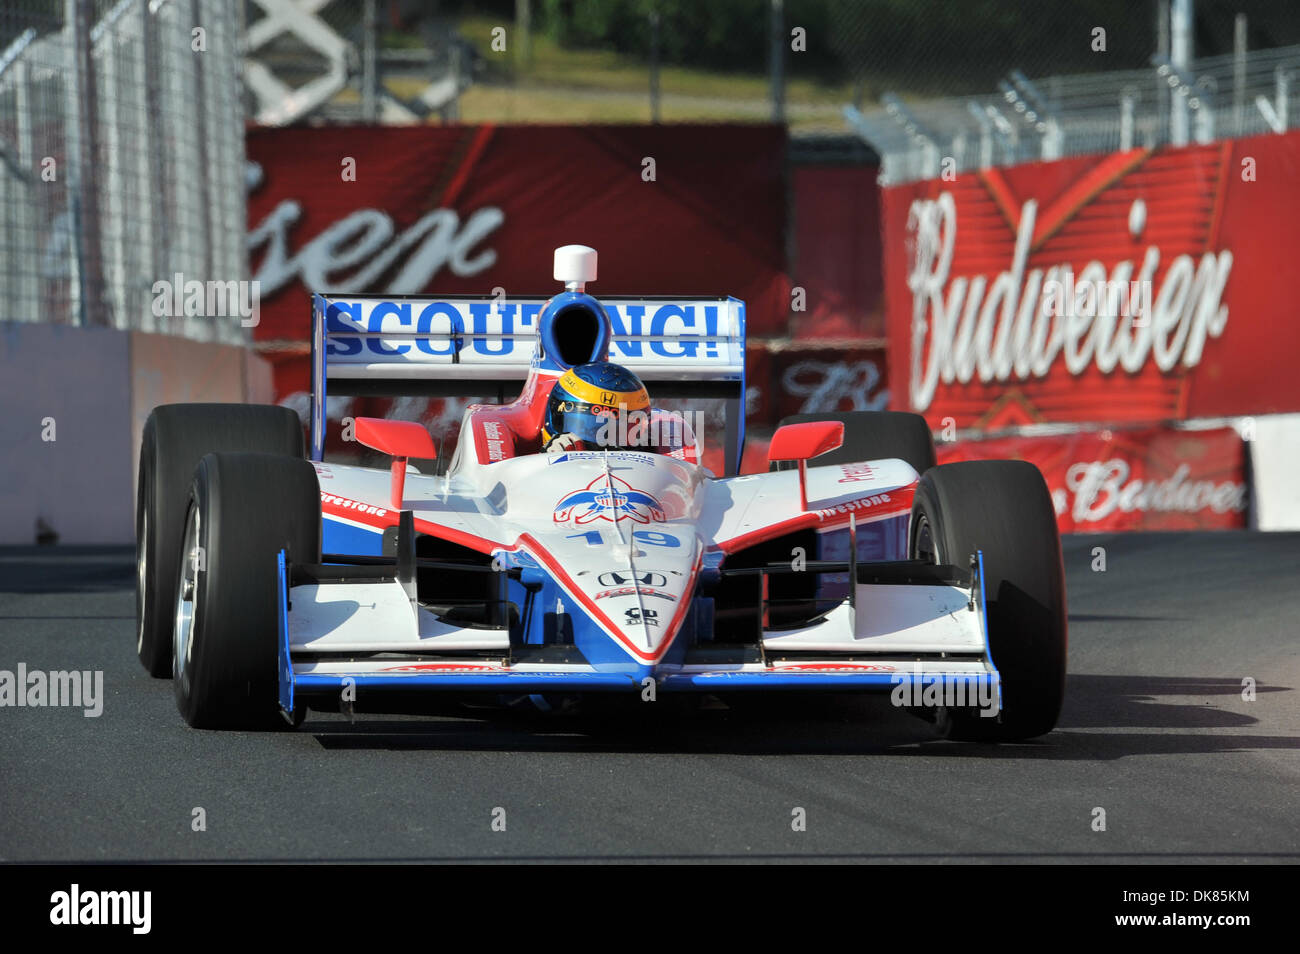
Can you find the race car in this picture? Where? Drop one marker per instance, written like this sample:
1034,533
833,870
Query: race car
272,580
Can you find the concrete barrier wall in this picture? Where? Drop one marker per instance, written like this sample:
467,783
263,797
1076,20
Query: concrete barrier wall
74,404
1275,471
65,433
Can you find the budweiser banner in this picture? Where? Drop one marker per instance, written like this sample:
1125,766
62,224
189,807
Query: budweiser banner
801,378
1141,286
1146,479
673,210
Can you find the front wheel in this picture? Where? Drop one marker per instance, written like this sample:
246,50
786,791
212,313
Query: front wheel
175,437
243,510
1003,508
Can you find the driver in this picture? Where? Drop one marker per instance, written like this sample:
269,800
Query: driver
596,406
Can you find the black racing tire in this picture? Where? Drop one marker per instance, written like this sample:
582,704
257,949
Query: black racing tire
874,435
1004,509
243,509
175,437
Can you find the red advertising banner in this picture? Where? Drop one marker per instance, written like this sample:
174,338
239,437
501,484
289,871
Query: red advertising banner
1148,479
803,378
1142,286
459,210
836,213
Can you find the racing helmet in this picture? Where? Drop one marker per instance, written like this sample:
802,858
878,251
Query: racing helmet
587,400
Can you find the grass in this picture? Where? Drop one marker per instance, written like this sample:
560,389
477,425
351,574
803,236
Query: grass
561,85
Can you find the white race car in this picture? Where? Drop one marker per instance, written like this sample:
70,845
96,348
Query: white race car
270,580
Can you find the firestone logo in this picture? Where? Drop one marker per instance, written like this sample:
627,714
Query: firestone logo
346,503
1013,328
862,503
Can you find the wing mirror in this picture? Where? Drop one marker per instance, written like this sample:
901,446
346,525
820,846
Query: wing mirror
803,442
400,440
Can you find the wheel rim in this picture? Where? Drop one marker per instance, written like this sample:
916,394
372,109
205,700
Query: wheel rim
924,545
141,574
187,593
926,548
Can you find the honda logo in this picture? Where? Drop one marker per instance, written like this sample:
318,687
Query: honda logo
627,579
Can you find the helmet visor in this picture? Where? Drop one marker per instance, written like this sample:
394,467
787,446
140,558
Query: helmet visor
598,426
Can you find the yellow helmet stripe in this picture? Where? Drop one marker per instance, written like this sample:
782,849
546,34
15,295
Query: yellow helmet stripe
583,391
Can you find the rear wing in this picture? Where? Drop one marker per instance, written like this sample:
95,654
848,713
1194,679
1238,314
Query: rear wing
430,346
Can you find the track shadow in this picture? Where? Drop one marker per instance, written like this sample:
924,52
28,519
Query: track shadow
1105,718
1115,702
66,569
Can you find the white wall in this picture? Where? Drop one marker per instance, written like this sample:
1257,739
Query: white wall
1275,461
79,378
98,386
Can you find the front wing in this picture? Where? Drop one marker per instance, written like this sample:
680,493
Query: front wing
902,626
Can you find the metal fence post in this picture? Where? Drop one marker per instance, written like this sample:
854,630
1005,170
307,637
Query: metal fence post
776,65
1239,74
1126,122
369,63
1180,56
1283,95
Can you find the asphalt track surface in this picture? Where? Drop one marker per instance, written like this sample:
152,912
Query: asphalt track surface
1155,732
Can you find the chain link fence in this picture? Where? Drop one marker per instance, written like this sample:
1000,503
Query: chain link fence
1218,97
795,61
947,88
122,164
